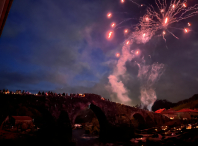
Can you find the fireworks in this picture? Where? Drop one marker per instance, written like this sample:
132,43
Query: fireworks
113,25
164,32
157,21
173,6
117,54
126,31
153,21
109,15
166,20
186,30
170,14
110,34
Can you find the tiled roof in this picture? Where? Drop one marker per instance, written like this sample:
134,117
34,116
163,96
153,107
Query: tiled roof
22,118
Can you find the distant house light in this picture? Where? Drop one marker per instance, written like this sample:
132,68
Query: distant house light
189,126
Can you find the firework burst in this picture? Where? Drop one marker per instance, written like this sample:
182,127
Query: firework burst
160,18
164,15
157,19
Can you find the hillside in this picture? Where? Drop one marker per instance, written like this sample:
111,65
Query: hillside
159,104
191,103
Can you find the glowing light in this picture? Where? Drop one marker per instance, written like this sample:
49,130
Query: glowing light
144,35
109,15
137,52
110,34
113,25
173,6
184,5
186,30
117,54
127,42
126,31
162,10
166,20
189,126
122,1
189,24
147,18
164,32
141,5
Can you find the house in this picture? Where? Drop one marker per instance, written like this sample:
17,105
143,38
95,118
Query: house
18,91
17,122
7,92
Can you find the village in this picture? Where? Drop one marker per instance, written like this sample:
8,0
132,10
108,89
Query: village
181,121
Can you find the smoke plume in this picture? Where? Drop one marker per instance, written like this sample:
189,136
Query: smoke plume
117,85
149,75
141,35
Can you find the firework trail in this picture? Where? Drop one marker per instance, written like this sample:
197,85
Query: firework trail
156,20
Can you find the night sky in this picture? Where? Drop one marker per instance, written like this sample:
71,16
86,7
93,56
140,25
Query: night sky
61,46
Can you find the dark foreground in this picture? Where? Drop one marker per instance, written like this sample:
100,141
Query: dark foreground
175,134
185,135
167,137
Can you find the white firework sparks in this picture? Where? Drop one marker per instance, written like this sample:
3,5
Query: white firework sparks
165,15
157,19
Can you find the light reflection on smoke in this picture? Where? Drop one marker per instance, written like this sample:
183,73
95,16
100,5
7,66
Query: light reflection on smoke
117,85
149,75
